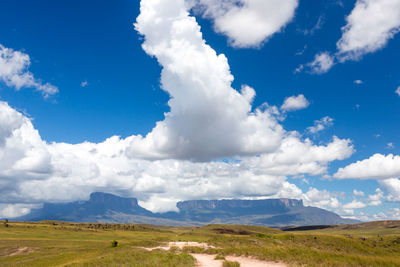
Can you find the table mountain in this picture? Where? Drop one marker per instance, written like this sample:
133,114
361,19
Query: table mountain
103,207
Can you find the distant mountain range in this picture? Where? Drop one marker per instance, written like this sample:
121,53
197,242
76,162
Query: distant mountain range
108,208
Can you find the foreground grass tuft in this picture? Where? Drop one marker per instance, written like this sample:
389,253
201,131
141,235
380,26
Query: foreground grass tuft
231,264
114,244
219,257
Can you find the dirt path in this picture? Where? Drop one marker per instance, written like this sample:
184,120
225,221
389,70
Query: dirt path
181,245
249,262
23,250
206,260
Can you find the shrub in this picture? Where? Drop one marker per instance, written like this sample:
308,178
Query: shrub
219,257
231,264
114,243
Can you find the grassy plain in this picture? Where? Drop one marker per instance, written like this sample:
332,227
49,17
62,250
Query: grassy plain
69,244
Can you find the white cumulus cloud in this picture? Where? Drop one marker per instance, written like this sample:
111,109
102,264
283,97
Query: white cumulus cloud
385,169
370,25
14,72
248,23
376,199
84,83
392,187
322,63
34,172
378,166
208,119
354,205
322,198
295,103
358,193
358,82
320,125
371,200
397,92
391,214
15,210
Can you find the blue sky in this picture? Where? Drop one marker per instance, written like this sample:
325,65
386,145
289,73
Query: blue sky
108,85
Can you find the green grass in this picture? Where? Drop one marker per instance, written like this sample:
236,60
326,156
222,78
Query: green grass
219,257
231,264
67,244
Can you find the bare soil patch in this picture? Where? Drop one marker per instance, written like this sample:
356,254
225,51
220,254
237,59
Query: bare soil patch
250,262
207,260
181,245
22,250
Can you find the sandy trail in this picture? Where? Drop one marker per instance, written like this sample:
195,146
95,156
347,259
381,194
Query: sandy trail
23,250
206,260
181,245
250,262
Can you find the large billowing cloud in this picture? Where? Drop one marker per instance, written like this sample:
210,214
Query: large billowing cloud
180,158
248,23
14,72
23,154
208,119
35,172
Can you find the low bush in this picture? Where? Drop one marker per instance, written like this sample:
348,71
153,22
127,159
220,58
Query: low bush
219,257
231,264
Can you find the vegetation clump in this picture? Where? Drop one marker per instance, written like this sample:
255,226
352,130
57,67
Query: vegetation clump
114,243
231,264
219,257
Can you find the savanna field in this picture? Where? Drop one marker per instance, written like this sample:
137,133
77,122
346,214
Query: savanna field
92,244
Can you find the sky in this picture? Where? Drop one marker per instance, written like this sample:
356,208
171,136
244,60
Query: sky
171,100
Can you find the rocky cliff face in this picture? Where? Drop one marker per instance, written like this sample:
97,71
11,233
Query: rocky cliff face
97,206
291,202
111,201
209,210
102,207
221,204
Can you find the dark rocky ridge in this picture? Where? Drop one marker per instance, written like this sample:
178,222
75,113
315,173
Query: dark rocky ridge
102,207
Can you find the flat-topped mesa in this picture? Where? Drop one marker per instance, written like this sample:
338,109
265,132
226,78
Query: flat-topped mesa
103,207
99,204
215,204
292,202
240,206
109,199
102,202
